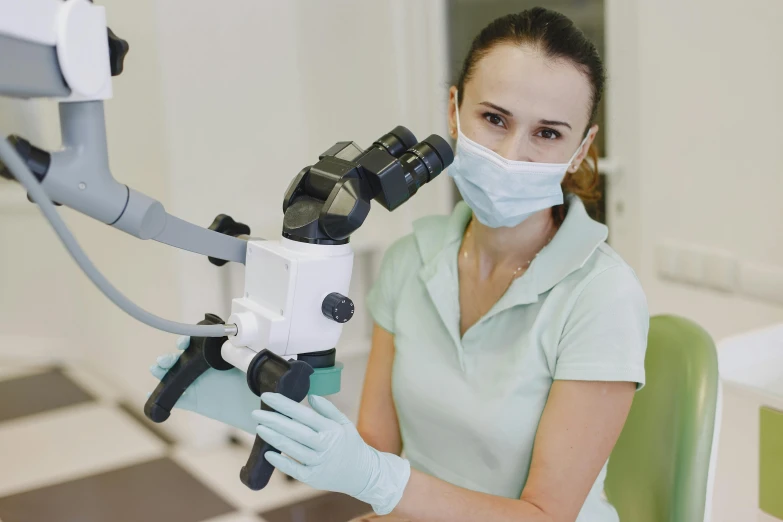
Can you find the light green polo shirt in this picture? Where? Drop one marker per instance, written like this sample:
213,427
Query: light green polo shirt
469,407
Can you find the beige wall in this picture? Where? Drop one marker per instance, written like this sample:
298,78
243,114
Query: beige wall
695,108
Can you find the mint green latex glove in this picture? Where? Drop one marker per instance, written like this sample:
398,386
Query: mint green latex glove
325,451
220,395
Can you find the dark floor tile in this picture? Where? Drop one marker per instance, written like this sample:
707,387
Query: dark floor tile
37,393
154,491
329,507
138,415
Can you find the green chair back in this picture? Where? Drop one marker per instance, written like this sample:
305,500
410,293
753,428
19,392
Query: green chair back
658,471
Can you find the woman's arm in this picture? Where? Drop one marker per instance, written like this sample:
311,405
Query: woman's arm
580,425
378,423
577,431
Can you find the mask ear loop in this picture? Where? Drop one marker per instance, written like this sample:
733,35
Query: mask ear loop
576,152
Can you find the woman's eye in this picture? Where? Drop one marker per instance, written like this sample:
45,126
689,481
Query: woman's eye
494,119
549,134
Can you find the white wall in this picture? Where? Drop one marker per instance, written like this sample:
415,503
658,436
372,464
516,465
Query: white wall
36,276
709,170
694,108
275,84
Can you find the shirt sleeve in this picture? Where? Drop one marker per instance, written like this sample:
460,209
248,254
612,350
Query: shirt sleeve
605,335
382,298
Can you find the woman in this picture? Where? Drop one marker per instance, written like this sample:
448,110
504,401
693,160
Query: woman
509,337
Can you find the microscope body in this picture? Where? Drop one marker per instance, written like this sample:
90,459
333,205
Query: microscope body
294,300
291,314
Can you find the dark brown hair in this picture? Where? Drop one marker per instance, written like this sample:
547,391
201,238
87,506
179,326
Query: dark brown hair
556,36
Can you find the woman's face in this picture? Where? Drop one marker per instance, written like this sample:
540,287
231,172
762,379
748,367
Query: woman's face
525,106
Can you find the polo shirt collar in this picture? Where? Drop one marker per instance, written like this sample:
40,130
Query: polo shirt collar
576,240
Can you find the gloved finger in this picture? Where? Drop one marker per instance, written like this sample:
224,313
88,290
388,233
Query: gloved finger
286,465
167,361
157,371
290,447
327,409
290,428
183,342
296,411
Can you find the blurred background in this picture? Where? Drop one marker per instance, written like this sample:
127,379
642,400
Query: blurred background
220,105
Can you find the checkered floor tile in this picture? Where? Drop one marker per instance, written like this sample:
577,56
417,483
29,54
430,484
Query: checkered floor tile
71,452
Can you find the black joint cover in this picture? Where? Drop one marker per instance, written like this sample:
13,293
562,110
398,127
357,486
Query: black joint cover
118,48
37,160
323,359
225,224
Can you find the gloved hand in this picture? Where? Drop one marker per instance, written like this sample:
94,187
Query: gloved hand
220,395
330,452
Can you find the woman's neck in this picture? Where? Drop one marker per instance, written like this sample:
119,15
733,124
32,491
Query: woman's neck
512,246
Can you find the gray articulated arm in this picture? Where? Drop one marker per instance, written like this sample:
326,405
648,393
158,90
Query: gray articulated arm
29,69
79,177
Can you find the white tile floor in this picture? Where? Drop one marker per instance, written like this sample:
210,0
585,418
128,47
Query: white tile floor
64,444
69,443
218,468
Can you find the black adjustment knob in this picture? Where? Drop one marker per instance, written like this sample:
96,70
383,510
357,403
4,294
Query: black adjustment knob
118,48
337,307
37,160
226,225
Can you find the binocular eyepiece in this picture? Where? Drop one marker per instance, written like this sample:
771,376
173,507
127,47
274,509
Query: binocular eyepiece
328,201
420,163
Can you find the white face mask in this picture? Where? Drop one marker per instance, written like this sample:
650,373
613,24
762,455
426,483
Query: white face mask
502,192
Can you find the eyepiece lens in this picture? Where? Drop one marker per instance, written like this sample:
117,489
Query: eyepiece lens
397,141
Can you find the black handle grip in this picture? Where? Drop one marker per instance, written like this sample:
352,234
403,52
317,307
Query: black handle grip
202,354
257,472
268,372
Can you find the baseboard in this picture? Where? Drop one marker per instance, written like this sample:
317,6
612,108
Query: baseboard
37,350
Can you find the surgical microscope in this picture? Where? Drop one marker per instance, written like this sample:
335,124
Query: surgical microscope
283,329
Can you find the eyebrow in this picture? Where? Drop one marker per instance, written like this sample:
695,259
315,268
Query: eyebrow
554,123
497,108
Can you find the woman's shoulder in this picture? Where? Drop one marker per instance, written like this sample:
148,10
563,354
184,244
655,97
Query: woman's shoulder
426,240
607,260
402,250
408,254
606,277
602,334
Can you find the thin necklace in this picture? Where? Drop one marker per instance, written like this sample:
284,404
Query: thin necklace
521,267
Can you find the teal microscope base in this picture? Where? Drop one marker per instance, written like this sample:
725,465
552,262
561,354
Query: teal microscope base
326,381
